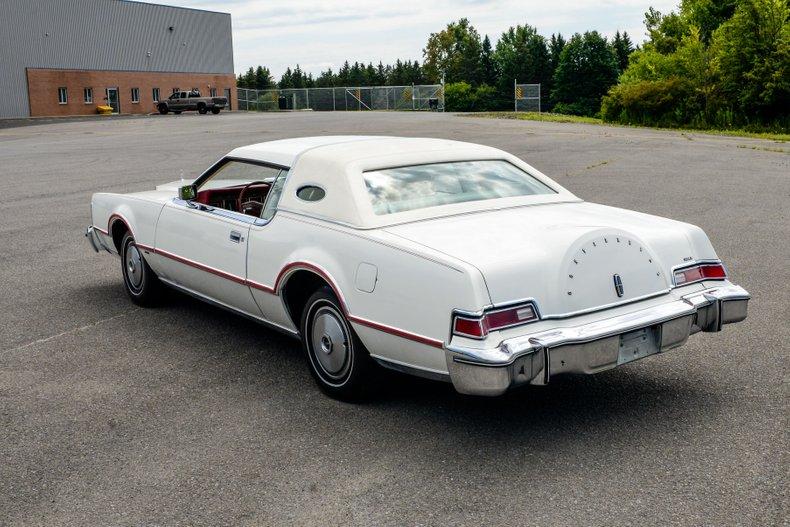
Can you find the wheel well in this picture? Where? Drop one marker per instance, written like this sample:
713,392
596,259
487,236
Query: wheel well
118,230
298,289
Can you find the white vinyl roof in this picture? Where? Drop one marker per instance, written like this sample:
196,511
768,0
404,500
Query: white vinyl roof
336,164
284,152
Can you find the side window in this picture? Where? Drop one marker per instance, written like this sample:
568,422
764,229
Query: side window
229,187
234,174
274,196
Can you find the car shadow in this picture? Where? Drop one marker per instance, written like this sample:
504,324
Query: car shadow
640,396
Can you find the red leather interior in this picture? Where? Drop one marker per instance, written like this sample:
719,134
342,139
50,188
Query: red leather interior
226,197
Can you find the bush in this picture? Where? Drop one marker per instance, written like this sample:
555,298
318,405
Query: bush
666,102
459,97
486,98
462,97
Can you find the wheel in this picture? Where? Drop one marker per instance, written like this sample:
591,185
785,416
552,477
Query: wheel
141,283
163,109
339,362
202,109
215,111
177,112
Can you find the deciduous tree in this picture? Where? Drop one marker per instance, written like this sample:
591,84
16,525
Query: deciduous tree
454,53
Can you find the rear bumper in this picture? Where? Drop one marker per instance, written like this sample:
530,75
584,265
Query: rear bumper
592,347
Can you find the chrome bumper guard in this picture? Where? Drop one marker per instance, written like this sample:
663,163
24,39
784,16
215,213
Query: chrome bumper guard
93,238
593,347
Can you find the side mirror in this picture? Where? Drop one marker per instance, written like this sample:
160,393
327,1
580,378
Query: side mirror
187,192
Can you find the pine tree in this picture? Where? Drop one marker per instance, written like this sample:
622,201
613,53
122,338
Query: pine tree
488,71
262,78
622,47
587,69
556,44
286,81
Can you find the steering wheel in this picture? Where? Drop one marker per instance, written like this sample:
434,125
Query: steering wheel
241,205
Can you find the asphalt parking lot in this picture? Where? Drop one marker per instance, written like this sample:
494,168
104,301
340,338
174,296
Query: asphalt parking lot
186,415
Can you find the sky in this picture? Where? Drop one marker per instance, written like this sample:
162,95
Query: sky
318,34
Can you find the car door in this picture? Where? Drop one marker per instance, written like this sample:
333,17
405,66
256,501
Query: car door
205,251
172,101
203,246
180,102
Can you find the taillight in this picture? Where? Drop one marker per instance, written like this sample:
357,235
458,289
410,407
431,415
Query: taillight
494,319
697,273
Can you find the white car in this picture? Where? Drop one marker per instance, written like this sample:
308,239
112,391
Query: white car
449,260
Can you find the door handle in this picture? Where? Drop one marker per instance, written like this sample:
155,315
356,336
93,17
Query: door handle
235,237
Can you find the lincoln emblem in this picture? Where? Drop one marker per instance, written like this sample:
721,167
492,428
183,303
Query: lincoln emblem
618,285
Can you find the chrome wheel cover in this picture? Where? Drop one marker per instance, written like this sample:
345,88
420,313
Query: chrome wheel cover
133,264
330,343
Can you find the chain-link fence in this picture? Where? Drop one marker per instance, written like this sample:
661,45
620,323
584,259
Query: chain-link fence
415,97
526,97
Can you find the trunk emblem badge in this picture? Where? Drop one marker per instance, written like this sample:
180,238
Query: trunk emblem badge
618,285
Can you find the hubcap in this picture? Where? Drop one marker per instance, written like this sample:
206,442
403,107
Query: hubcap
134,266
330,342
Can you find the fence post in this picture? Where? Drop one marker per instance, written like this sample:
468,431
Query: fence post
538,97
442,91
307,97
515,100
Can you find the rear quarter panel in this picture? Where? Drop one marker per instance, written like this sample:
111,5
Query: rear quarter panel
414,293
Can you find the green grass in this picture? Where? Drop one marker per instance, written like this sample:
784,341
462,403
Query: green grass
535,116
562,118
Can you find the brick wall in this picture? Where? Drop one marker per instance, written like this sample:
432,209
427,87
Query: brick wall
43,84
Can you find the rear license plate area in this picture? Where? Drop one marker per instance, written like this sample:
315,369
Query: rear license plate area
638,344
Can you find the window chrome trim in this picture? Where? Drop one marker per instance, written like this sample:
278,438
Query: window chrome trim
223,213
221,161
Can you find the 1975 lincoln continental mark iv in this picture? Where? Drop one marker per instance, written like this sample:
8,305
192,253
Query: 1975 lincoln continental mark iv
449,260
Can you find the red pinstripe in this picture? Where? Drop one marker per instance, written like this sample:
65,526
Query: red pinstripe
397,332
282,276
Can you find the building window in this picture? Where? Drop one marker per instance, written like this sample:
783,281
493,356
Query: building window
213,92
155,93
135,94
87,94
176,90
63,96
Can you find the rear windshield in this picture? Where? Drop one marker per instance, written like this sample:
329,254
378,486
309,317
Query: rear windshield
422,186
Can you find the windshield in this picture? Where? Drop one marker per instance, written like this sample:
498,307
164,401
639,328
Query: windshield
422,186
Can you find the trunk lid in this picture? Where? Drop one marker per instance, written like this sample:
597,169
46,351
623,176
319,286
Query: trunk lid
568,257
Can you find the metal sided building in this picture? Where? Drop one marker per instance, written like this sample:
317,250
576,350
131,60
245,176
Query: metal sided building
66,57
